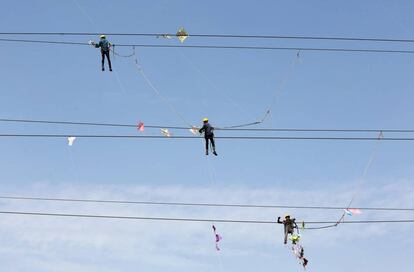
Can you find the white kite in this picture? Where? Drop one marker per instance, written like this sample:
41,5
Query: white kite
194,131
165,132
71,140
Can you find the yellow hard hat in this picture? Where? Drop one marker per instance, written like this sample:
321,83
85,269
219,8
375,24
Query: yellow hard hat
102,37
205,119
287,215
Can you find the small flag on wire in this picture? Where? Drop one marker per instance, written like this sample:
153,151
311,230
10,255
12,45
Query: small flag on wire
71,140
141,126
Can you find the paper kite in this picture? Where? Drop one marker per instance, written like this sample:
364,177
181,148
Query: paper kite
71,140
352,211
182,35
194,130
294,238
141,126
165,132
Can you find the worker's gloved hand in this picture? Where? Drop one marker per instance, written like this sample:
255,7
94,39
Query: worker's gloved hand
91,42
278,219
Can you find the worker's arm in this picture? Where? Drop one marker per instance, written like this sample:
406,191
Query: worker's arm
202,129
278,220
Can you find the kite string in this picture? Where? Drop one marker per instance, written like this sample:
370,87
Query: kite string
173,109
139,68
364,174
212,178
123,56
358,186
85,14
74,164
209,81
279,89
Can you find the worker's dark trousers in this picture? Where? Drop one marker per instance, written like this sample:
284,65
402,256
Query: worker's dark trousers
212,143
106,53
288,230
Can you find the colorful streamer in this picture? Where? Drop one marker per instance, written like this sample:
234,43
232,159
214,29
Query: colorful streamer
217,237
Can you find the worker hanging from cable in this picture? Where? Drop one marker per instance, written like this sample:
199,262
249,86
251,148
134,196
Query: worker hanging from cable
208,135
105,46
289,228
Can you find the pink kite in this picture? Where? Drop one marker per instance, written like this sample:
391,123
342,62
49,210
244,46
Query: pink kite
352,211
140,126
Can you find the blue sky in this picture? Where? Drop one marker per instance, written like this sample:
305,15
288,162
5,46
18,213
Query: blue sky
325,89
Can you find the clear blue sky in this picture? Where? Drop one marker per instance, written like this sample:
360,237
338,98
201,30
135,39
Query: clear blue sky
326,89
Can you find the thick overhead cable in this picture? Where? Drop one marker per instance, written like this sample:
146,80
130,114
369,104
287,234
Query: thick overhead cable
217,137
186,128
223,205
320,49
195,219
237,36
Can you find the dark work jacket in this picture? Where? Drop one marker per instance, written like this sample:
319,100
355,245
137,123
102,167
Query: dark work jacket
208,130
289,224
104,45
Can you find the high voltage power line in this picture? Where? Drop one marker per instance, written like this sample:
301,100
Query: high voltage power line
308,138
238,36
217,128
222,205
236,47
217,137
209,220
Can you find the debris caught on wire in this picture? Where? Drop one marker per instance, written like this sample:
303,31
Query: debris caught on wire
141,127
217,237
182,34
71,140
352,211
165,132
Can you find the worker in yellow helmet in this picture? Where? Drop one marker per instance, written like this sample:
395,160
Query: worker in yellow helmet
289,225
105,46
208,135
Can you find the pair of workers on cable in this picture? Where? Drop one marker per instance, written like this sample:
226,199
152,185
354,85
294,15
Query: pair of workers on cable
208,130
105,46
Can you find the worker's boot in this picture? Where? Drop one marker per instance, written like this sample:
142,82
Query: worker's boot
206,152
